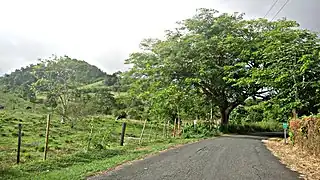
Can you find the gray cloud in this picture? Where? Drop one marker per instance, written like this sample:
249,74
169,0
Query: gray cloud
305,12
16,51
112,61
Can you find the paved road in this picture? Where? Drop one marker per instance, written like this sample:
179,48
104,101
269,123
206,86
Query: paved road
234,157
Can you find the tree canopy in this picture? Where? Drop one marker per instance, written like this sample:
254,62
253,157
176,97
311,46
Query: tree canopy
227,60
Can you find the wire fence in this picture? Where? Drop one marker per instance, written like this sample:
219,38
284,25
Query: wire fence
92,133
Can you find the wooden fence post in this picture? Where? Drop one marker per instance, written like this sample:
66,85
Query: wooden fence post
164,128
168,128
122,133
179,128
19,143
47,137
174,127
157,128
144,126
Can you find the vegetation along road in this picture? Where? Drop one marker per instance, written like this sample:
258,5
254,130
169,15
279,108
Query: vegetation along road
227,157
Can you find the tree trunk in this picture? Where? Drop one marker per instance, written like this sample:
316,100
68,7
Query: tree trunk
225,112
63,115
224,116
64,108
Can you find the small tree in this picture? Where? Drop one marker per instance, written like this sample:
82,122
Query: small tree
56,82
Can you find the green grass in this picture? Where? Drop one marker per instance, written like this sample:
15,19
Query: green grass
12,102
68,146
63,139
68,155
117,94
99,84
83,164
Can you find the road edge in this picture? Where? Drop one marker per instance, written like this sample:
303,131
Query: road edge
144,157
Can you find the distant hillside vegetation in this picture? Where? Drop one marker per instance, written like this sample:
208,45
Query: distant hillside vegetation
21,79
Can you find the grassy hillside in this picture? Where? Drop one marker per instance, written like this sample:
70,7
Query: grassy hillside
16,104
67,146
99,84
91,139
88,140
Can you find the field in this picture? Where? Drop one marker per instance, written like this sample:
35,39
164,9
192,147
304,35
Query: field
91,145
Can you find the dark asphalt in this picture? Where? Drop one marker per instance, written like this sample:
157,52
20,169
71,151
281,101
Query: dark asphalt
227,157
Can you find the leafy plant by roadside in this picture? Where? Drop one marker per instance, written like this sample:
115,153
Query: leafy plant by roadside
305,133
200,131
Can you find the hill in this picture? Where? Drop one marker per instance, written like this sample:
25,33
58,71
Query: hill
82,73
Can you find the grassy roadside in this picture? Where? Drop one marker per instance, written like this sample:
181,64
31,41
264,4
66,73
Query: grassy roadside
82,164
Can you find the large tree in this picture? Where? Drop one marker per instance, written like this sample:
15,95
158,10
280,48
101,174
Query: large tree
220,55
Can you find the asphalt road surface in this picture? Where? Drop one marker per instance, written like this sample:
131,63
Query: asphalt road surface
227,157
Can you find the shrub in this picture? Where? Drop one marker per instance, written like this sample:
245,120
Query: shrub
305,133
199,131
251,127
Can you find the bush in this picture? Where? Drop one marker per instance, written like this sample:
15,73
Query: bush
251,127
200,131
305,133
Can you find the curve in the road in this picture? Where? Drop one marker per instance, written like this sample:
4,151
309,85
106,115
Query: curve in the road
227,157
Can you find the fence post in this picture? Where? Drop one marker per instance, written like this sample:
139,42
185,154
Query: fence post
174,127
122,133
285,136
168,129
47,137
19,143
144,126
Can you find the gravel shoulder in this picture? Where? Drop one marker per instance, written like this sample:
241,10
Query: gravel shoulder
227,157
297,160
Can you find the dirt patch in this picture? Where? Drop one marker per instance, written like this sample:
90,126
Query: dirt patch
295,159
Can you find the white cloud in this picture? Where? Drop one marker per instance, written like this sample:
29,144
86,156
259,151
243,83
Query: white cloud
101,32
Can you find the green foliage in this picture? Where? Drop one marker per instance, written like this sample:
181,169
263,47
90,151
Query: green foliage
200,131
251,127
227,60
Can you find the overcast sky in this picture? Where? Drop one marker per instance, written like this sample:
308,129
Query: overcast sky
104,32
